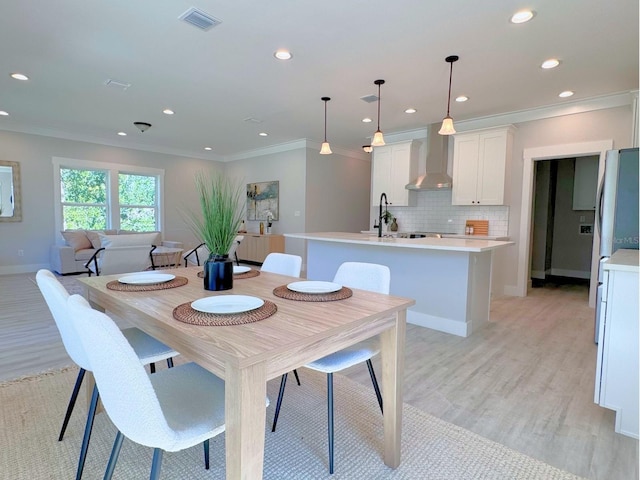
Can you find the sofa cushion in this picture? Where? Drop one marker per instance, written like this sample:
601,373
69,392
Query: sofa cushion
85,254
94,236
77,239
130,240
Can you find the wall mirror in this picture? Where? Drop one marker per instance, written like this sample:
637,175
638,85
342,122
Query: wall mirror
10,201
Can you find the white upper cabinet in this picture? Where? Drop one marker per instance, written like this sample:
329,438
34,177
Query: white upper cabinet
585,183
479,165
394,165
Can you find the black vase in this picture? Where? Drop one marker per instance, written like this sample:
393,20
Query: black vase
218,273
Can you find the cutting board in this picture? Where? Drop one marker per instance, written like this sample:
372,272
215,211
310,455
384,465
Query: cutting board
480,227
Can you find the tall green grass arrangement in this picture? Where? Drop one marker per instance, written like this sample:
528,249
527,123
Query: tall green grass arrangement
221,211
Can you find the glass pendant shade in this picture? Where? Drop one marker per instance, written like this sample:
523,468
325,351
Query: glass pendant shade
325,149
447,127
367,148
378,139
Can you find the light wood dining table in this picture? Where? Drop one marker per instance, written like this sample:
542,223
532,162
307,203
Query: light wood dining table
247,356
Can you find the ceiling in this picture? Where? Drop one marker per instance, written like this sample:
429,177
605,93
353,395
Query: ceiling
215,80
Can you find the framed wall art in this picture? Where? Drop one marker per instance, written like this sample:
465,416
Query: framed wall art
262,200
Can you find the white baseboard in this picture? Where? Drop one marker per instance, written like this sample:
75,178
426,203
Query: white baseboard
512,291
461,329
33,268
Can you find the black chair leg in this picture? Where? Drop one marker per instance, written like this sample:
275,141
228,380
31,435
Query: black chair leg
72,403
375,384
283,382
87,432
113,459
156,463
330,418
295,372
206,454
152,367
170,362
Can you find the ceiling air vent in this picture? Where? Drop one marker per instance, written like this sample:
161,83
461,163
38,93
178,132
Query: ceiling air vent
369,98
199,19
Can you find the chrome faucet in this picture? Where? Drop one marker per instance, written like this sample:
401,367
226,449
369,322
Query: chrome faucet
386,204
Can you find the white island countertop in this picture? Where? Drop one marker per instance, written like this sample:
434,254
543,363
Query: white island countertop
427,243
625,260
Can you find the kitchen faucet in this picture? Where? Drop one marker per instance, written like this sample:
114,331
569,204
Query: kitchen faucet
386,204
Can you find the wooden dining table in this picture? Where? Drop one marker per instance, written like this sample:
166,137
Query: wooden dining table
247,356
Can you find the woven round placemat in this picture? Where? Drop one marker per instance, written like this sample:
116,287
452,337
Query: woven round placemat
184,313
283,292
129,287
250,274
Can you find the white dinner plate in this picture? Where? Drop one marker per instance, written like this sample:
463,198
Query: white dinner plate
227,304
237,270
146,278
314,287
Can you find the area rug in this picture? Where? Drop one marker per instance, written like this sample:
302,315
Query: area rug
69,282
31,411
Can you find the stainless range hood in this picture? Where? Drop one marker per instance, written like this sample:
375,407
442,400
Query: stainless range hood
435,176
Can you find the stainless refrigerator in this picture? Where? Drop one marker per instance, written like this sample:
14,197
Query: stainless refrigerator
616,212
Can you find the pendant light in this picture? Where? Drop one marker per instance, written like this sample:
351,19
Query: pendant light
325,149
367,148
447,122
378,139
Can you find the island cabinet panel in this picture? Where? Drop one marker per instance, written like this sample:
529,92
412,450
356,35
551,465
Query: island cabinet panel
255,248
479,166
394,165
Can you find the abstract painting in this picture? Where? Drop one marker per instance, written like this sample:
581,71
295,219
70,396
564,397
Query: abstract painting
262,199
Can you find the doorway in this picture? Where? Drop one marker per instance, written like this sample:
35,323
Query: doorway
530,156
563,220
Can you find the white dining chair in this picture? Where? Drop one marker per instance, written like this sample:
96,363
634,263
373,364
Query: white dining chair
363,276
282,263
172,410
147,349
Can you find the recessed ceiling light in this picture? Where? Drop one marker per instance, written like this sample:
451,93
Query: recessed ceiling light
551,63
208,149
168,111
565,94
3,113
366,120
283,55
410,110
122,134
522,16
19,76
462,98
263,134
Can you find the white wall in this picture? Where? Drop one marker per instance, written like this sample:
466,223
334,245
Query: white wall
37,232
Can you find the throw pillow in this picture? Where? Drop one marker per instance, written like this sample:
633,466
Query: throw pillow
77,239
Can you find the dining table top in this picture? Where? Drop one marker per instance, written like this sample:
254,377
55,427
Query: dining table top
297,325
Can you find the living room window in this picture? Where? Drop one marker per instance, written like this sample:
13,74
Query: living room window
97,196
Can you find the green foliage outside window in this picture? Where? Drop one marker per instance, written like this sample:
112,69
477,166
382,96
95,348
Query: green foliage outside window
137,194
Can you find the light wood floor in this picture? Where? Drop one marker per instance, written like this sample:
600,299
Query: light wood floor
525,380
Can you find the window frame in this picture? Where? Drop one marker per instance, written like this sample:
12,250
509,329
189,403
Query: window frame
113,202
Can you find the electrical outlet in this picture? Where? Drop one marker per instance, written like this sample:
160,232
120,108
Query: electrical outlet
21,253
582,218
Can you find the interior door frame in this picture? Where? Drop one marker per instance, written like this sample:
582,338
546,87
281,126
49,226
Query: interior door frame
550,152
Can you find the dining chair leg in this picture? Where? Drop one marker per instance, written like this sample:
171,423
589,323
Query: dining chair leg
156,463
206,454
375,384
87,432
72,403
113,459
330,418
152,367
170,362
283,382
295,372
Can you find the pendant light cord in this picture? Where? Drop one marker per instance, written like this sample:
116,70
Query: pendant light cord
449,97
325,120
379,106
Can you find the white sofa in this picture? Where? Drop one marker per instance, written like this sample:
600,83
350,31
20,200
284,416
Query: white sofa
80,245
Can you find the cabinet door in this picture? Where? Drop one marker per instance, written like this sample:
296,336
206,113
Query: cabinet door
585,183
402,169
491,168
381,172
465,170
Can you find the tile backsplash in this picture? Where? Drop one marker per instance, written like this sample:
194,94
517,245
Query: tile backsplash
434,213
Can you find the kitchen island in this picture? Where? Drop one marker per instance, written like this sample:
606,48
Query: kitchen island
449,278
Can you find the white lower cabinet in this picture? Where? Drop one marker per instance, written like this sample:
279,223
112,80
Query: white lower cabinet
479,166
394,165
616,385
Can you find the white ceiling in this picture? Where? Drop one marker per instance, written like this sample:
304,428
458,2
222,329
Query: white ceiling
216,79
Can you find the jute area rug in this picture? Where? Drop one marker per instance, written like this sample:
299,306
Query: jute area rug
31,412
